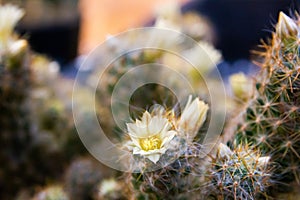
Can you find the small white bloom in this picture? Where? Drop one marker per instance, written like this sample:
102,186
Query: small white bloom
150,136
224,151
9,16
192,117
286,26
262,162
240,85
107,186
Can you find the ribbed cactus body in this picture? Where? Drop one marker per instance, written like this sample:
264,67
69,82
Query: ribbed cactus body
26,155
271,119
14,116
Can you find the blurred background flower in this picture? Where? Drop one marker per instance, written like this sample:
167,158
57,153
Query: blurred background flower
67,29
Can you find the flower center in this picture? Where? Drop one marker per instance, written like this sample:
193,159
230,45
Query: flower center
150,143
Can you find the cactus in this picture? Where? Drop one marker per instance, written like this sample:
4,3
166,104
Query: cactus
171,182
36,123
113,189
238,174
25,157
166,158
51,193
271,119
82,179
50,93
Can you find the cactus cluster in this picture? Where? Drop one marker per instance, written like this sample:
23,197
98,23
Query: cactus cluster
23,155
160,43
114,189
51,193
238,174
170,166
270,121
38,136
82,178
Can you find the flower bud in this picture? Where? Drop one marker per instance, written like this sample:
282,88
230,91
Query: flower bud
192,117
286,27
240,86
18,47
224,151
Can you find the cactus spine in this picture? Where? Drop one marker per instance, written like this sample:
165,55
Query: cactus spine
271,118
239,174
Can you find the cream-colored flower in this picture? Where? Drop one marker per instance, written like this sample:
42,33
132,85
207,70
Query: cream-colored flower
204,56
9,17
192,117
107,186
240,85
150,136
286,26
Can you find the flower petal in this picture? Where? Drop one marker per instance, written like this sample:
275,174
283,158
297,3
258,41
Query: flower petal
167,137
135,141
224,151
136,130
154,157
146,118
158,124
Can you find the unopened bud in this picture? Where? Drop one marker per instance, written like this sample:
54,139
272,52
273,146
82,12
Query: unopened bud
17,47
240,85
224,151
286,26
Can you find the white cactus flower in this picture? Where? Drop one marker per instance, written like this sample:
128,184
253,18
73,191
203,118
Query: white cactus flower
9,17
192,117
150,136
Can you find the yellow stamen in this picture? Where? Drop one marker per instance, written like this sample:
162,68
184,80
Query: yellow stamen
150,143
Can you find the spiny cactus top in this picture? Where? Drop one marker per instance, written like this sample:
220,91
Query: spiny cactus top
271,119
238,174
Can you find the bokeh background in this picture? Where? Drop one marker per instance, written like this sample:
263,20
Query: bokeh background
67,29
50,159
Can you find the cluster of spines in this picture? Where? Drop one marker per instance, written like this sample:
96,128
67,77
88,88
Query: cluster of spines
271,119
172,181
238,174
24,153
32,144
